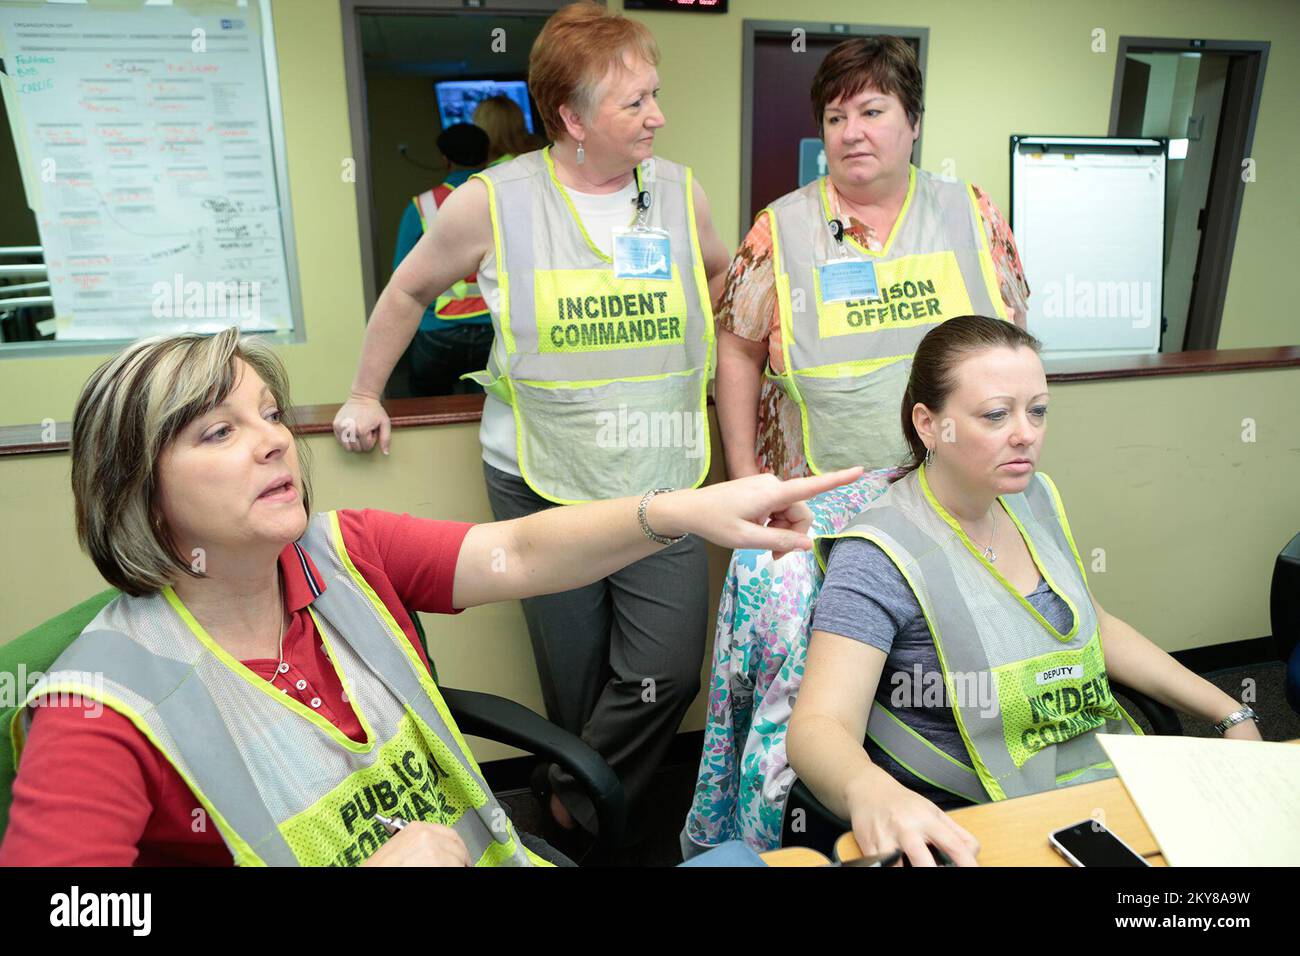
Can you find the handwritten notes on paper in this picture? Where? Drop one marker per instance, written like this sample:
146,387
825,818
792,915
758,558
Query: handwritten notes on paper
146,147
1214,802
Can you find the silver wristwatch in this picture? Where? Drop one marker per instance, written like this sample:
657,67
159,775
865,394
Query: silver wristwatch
645,524
1236,717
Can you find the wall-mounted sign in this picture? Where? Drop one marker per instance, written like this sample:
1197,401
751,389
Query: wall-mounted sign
812,160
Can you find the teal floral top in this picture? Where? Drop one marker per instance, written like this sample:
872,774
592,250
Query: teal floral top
760,644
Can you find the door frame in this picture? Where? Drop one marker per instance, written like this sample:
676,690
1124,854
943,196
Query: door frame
358,120
1247,60
752,30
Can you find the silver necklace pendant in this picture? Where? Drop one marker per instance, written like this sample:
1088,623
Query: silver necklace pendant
990,554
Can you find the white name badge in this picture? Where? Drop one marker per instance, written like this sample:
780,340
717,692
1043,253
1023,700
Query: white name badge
844,279
642,254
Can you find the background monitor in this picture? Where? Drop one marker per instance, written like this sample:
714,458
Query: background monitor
458,98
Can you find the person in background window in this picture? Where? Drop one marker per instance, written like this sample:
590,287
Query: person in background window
502,119
455,331
465,147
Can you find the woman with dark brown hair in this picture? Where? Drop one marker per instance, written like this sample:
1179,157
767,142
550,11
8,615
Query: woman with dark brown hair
839,280
956,631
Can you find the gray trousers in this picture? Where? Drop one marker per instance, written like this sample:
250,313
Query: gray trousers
619,660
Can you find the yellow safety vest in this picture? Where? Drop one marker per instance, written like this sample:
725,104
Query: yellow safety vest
847,362
463,300
607,377
1047,691
282,784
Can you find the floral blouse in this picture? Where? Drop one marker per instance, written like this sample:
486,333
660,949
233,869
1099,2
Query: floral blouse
748,309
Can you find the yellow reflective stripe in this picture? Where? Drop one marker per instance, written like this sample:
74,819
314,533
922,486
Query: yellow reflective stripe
536,860
1062,778
415,201
503,279
260,684
403,642
701,276
986,776
1065,524
706,304
979,556
902,214
593,382
559,187
243,853
986,260
850,369
785,315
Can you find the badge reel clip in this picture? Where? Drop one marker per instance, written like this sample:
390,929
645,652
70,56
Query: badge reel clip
845,278
642,252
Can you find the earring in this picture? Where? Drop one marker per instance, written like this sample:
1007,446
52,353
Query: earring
582,154
929,455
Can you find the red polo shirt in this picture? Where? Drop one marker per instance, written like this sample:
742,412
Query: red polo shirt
98,793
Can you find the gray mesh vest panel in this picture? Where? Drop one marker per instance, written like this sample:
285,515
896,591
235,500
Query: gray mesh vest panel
853,419
621,419
979,626
245,752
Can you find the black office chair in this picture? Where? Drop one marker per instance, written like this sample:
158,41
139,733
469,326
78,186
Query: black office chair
1284,614
809,822
507,722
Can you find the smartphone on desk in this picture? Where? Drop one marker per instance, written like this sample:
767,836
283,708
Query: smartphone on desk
1089,843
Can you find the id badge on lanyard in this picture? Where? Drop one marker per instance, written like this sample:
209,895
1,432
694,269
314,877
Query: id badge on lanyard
845,278
641,252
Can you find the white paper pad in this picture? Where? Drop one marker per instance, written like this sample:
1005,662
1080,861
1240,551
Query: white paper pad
1214,802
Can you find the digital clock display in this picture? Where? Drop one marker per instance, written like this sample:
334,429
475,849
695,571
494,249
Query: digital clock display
680,6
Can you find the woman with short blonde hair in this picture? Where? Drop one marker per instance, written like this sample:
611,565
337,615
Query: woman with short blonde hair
260,692
502,119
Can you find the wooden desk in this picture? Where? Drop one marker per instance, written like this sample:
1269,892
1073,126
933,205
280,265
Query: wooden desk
794,856
1014,832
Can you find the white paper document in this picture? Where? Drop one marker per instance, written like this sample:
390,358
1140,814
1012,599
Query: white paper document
1214,802
145,140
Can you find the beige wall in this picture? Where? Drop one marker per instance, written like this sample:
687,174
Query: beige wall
1162,491
1153,471
995,68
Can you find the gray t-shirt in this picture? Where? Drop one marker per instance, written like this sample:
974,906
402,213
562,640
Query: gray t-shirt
866,598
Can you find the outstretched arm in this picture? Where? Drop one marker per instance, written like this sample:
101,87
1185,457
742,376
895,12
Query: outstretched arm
563,548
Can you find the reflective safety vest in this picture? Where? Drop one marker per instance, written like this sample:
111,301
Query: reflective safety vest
281,783
463,300
607,377
1028,700
847,362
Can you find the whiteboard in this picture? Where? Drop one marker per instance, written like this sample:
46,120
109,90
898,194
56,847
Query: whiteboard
1088,214
149,141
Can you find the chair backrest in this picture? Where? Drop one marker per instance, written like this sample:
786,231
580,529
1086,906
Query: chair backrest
22,661
1284,600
